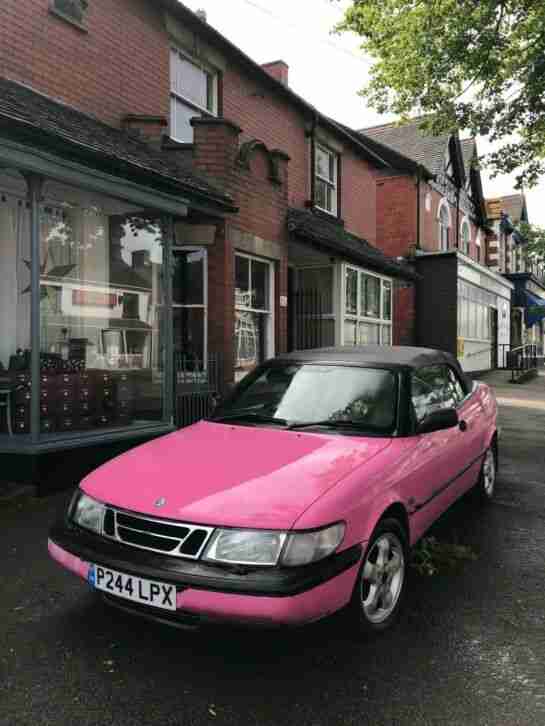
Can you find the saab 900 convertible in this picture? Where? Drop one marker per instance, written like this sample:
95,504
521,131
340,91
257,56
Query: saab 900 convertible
301,496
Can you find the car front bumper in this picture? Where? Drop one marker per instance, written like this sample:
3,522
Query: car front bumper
210,593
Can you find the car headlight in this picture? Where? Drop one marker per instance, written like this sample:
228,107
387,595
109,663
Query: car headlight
86,512
303,548
258,547
245,547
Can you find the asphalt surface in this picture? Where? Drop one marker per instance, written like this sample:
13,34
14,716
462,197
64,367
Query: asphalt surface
469,648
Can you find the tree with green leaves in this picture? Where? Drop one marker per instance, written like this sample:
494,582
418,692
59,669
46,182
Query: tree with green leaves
476,65
535,240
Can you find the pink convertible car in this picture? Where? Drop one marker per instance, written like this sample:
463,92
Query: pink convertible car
301,496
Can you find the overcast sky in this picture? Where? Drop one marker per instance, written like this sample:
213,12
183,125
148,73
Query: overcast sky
326,70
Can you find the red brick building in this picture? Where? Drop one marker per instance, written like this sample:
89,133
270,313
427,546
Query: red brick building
164,198
437,218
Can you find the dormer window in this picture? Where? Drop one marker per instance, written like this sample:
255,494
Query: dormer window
326,180
193,92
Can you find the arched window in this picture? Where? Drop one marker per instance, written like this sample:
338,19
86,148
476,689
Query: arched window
465,237
444,226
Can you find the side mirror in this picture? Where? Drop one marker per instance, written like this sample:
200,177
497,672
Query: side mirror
446,418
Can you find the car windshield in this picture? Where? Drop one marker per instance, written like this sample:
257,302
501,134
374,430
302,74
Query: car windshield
323,395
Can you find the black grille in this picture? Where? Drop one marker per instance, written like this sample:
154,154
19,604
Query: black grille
147,540
178,540
167,530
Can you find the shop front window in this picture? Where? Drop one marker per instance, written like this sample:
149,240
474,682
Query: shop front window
474,312
101,312
253,313
367,308
14,304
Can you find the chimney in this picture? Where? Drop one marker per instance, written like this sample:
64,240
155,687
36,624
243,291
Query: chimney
148,128
201,14
279,70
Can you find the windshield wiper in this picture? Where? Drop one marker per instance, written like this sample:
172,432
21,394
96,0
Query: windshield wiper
326,422
253,415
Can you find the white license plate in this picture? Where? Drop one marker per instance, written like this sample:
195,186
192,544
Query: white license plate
130,587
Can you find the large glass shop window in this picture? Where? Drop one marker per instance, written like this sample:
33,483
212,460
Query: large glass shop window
14,301
474,315
101,308
367,308
252,313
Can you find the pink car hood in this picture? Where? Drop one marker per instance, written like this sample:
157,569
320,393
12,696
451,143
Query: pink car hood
240,476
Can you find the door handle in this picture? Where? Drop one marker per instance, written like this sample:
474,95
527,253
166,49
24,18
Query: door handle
463,425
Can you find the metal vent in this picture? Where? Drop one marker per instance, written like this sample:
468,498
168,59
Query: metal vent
157,535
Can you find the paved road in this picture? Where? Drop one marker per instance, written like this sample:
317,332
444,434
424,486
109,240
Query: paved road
469,649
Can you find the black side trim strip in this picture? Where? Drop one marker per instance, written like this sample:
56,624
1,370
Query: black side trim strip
270,582
437,492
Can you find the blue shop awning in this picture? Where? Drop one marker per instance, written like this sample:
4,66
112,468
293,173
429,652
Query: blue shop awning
534,308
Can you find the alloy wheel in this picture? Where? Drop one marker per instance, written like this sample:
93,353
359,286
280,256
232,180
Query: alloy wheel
382,578
489,473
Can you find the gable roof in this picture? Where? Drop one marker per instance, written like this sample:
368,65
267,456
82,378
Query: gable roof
407,139
41,121
394,157
469,149
469,152
514,205
331,236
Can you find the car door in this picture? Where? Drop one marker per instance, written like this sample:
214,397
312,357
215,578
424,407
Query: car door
470,413
438,458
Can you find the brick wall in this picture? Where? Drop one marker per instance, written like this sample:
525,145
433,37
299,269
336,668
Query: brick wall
404,313
258,227
120,66
397,218
396,214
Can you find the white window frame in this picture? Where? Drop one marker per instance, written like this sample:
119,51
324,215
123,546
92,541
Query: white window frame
465,244
177,97
358,317
334,185
444,204
269,351
198,306
479,248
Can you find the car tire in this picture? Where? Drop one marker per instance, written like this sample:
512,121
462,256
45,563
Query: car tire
486,485
381,583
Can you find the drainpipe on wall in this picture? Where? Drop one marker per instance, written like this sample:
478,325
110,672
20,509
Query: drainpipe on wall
458,218
313,158
418,180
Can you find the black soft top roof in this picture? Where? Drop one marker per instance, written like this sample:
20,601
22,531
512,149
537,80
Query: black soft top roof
396,356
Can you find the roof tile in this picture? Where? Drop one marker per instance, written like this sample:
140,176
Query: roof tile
331,235
24,107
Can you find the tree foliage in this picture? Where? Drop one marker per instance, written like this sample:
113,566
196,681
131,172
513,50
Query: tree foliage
535,238
477,65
